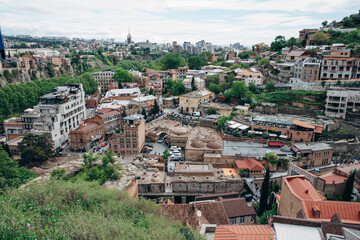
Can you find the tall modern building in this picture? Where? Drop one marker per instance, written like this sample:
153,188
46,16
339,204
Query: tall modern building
2,48
128,39
57,113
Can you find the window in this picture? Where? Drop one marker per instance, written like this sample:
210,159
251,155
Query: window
242,219
233,220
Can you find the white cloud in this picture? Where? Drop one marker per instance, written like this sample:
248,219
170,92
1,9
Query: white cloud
256,21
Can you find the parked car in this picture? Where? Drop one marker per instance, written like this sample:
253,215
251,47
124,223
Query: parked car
172,148
197,114
161,140
104,144
101,151
149,145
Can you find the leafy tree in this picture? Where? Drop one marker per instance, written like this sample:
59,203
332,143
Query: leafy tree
155,109
264,193
278,44
193,85
270,86
196,62
166,154
291,42
10,174
349,185
214,88
252,87
143,112
230,78
36,148
122,75
239,90
323,83
177,89
263,62
324,23
151,91
211,110
224,86
172,61
212,79
319,38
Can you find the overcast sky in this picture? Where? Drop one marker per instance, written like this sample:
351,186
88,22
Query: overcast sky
217,21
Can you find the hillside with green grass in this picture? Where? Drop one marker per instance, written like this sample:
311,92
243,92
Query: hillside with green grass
292,98
54,209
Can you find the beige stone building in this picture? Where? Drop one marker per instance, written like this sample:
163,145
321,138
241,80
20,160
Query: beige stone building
130,138
204,178
190,102
249,75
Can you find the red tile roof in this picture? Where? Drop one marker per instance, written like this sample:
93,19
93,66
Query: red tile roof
333,178
301,188
237,207
303,124
349,212
211,213
109,114
250,164
87,126
244,232
104,110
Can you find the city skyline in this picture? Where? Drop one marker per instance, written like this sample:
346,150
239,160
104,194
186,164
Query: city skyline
160,21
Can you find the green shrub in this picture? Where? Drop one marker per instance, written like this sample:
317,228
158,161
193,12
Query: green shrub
54,209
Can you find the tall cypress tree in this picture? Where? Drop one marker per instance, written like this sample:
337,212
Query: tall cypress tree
193,85
349,187
264,193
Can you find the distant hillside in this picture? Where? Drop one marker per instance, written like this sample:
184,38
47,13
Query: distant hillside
64,210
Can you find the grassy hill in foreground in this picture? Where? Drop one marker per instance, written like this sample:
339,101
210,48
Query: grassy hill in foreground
64,210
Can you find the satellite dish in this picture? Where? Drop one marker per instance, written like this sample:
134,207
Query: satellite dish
198,213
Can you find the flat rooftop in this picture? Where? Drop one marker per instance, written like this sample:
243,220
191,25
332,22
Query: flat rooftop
249,149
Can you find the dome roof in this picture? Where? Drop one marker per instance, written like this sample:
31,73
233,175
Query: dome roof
155,179
214,145
179,131
197,144
205,140
285,148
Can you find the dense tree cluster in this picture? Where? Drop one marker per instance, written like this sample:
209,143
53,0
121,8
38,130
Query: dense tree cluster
36,148
122,76
16,98
10,174
172,61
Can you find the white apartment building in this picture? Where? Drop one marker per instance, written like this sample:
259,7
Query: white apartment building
103,79
342,103
249,75
57,113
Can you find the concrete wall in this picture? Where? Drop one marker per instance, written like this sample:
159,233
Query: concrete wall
289,204
344,146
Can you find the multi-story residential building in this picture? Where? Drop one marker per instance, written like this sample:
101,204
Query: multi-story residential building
130,138
146,102
13,128
87,135
336,50
103,79
295,55
313,154
57,113
249,75
340,68
299,199
199,82
341,104
190,102
111,120
307,69
154,81
286,71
